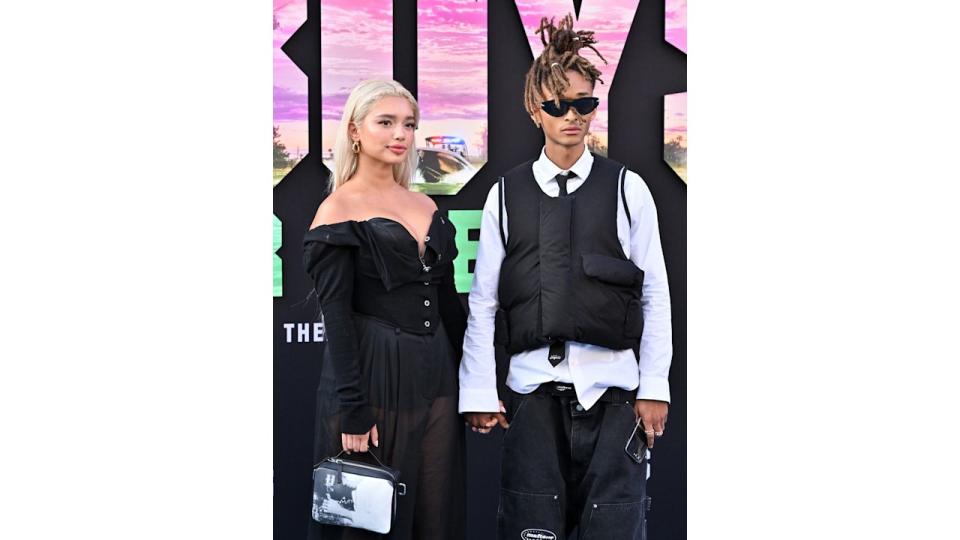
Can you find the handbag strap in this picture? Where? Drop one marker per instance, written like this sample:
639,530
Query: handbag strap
369,452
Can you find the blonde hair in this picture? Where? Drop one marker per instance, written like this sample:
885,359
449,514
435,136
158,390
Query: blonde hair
361,100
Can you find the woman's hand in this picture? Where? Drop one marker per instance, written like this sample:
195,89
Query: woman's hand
359,443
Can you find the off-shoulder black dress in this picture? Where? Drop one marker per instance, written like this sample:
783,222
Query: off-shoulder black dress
394,333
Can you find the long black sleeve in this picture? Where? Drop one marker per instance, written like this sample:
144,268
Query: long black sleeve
332,270
452,314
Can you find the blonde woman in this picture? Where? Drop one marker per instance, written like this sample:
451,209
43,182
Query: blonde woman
381,259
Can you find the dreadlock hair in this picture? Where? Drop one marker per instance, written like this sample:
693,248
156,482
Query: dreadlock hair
561,51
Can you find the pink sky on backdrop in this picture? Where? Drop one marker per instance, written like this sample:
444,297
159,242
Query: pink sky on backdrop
289,83
674,116
609,19
675,27
452,65
675,125
356,43
452,58
290,14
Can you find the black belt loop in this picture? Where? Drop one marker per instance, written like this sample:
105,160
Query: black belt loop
619,395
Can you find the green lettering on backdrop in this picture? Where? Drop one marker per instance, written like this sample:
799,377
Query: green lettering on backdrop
464,221
277,263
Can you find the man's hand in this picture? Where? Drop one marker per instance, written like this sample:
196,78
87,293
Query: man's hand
359,443
483,422
654,416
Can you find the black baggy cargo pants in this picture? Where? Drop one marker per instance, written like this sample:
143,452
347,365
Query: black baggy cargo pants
564,466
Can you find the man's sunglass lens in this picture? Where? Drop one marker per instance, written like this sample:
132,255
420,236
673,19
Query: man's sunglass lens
583,106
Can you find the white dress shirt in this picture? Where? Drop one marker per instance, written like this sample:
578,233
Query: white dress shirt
591,369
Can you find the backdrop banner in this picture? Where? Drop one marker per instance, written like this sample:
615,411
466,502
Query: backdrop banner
465,61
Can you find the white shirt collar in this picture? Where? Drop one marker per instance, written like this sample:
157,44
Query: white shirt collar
545,170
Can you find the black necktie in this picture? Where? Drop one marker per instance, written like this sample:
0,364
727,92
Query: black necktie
557,349
556,353
562,181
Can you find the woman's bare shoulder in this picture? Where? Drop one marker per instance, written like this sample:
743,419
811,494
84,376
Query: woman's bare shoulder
423,201
339,206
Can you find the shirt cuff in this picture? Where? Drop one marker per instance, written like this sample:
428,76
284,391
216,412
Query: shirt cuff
479,400
656,388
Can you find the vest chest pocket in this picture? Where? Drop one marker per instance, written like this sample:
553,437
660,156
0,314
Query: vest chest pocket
612,270
626,279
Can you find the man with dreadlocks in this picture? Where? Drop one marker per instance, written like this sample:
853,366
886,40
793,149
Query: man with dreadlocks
570,280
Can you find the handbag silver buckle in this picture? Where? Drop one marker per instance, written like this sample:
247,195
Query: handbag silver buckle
401,489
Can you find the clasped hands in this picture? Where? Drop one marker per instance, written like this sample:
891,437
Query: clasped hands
652,413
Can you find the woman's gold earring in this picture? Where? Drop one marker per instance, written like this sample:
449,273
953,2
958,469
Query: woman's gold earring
356,147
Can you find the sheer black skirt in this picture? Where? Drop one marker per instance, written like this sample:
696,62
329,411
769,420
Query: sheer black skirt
411,384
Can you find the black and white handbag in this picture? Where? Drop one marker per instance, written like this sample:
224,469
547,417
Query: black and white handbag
353,494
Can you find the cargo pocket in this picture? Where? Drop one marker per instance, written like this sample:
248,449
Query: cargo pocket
529,516
633,324
514,404
615,520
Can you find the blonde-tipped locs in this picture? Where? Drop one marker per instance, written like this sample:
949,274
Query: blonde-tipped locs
358,105
561,52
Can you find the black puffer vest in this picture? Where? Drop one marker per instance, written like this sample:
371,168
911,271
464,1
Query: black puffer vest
565,276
